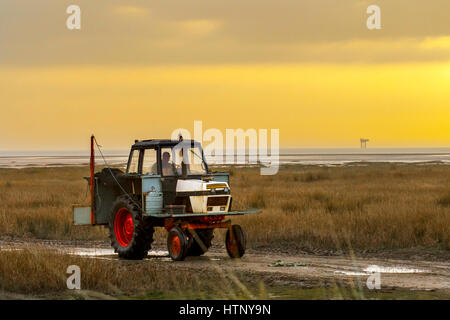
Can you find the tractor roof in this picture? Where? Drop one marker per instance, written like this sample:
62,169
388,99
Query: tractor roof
143,144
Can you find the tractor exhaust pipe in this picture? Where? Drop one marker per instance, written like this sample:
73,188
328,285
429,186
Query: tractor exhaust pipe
91,185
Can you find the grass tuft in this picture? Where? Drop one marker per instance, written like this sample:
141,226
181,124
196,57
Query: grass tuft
444,201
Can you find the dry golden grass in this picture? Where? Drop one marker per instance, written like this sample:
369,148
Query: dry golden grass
378,206
41,272
37,202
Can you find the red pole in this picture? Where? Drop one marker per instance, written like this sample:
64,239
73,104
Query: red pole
92,163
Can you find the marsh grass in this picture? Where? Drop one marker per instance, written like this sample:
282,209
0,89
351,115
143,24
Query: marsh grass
444,200
39,271
37,202
372,207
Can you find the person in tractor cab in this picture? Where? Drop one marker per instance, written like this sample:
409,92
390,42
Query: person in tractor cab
166,165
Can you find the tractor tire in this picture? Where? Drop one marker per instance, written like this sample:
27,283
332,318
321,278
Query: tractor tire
131,235
201,241
235,241
177,244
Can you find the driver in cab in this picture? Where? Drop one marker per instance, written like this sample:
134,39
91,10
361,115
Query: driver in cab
166,165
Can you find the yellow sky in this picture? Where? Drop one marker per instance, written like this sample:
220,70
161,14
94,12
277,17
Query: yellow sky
140,71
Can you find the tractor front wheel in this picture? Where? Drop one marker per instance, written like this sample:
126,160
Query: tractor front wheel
235,241
177,244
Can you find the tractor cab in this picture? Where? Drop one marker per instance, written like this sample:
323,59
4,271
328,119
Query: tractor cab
179,171
167,158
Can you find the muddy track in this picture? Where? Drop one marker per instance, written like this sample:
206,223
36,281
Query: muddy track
303,270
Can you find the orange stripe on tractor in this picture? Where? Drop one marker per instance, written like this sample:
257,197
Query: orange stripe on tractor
207,222
225,224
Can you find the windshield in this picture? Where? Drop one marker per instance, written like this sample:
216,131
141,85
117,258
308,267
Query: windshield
192,156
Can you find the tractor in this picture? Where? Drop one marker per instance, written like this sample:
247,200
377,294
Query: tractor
167,183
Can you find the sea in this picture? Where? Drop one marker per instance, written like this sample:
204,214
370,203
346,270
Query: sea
306,156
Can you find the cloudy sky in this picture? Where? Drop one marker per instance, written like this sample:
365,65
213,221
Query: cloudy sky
140,69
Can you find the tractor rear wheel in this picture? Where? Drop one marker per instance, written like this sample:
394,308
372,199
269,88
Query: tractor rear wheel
131,235
235,241
201,241
177,244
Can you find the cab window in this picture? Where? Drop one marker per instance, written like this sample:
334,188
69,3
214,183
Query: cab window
134,161
149,164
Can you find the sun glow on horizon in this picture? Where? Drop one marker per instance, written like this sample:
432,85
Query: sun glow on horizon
312,105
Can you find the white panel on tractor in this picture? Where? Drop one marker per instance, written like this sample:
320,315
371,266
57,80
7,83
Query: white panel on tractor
200,203
81,216
190,185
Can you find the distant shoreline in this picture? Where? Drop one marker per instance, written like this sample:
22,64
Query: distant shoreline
282,151
281,155
306,156
291,163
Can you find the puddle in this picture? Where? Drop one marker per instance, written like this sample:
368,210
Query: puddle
375,268
92,252
280,263
158,253
380,269
352,273
95,252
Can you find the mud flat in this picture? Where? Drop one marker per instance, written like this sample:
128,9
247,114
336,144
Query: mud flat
261,274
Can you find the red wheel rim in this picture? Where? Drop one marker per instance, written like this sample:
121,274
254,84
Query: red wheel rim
175,245
124,227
